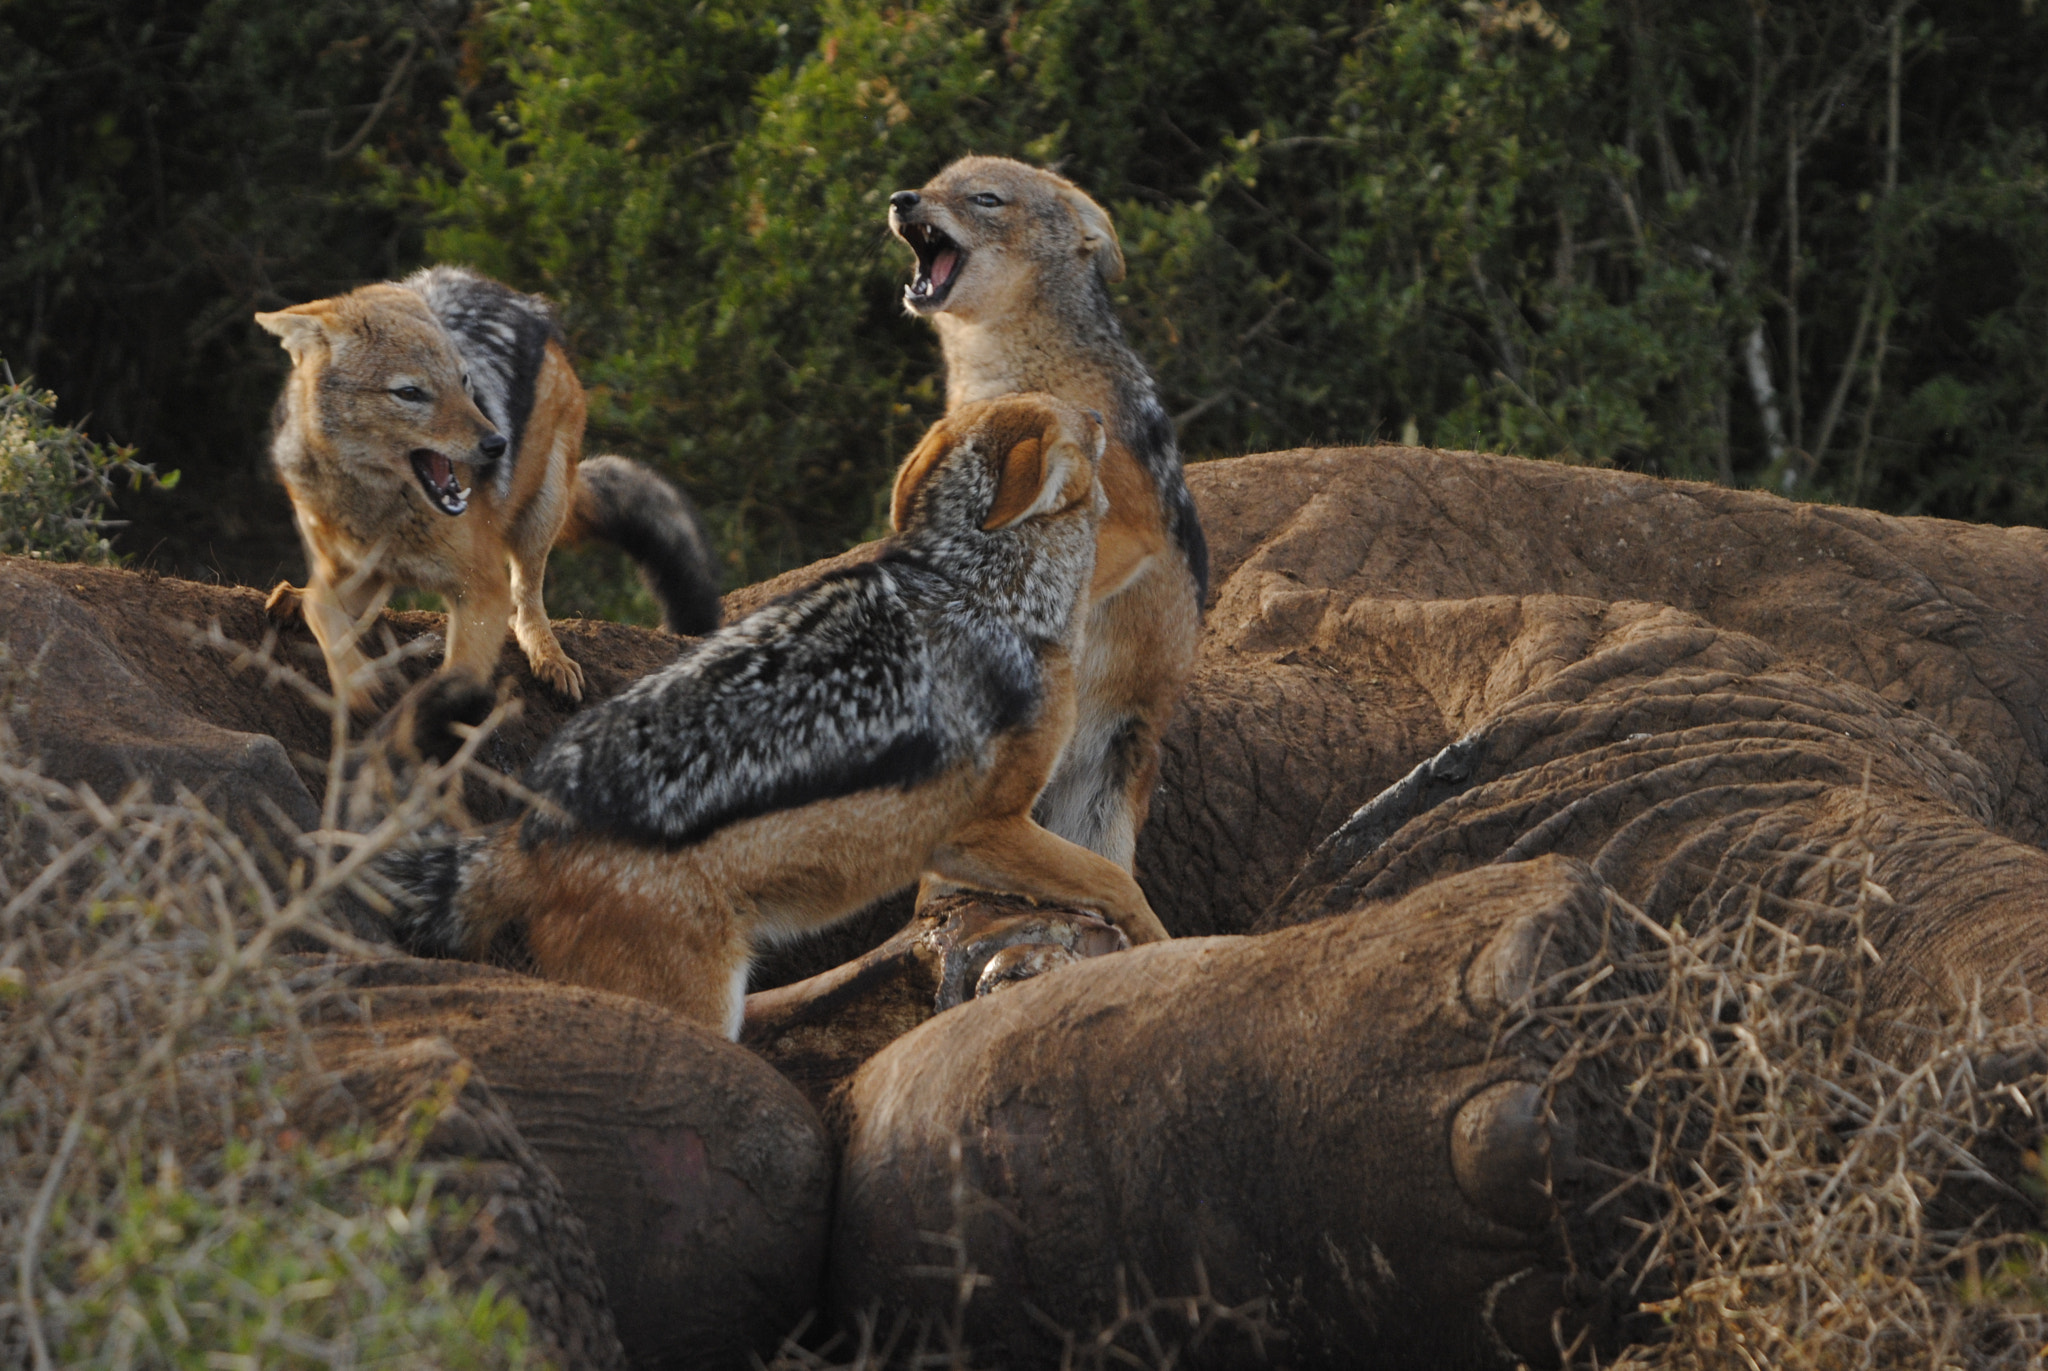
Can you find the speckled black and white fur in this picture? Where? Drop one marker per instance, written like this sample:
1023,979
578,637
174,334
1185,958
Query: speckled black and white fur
898,715
882,674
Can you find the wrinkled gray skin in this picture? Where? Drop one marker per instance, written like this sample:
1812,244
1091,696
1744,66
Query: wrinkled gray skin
1322,1116
1297,1108
1377,1175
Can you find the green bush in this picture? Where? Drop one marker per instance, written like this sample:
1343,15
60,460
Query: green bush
1663,239
55,483
317,1255
1794,246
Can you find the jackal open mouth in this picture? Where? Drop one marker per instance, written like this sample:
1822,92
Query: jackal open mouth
939,260
437,478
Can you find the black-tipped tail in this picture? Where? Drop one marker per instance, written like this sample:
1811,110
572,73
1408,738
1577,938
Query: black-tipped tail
425,880
655,524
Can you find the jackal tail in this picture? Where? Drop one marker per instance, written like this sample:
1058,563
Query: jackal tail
655,524
426,880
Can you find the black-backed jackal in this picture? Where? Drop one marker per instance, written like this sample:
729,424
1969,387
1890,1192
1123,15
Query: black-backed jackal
430,435
1014,266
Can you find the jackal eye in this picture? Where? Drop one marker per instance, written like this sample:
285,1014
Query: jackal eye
987,199
410,394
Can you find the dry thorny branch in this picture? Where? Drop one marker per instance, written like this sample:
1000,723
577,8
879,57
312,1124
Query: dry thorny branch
156,1207
1784,1174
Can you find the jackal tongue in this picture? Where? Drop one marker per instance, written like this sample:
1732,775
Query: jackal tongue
437,478
943,267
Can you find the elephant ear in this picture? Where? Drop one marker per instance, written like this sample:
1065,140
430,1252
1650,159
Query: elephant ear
1098,235
301,329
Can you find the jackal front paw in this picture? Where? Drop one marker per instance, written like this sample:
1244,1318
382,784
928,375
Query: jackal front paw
286,602
559,673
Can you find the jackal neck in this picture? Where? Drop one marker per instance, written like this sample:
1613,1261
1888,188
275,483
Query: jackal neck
1068,343
1078,354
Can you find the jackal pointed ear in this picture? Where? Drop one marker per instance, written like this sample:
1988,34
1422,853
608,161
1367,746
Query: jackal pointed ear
915,468
1098,235
1031,478
298,328
1020,480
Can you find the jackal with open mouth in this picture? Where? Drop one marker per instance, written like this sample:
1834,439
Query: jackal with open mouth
1014,266
430,435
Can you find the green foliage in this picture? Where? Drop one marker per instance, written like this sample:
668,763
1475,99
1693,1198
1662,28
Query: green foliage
169,167
319,1256
54,481
1559,232
1968,433
1685,240
703,202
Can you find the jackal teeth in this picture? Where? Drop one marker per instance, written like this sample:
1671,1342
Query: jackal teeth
437,478
939,260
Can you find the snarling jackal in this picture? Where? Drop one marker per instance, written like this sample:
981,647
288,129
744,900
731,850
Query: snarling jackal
430,435
1014,266
896,717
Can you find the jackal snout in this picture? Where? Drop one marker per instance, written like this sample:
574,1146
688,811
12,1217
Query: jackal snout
987,231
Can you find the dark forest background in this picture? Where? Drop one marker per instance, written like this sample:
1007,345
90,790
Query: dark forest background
1798,246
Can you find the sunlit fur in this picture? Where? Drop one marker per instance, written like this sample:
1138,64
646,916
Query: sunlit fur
897,717
449,362
1028,309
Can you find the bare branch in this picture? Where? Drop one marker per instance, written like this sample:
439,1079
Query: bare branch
384,98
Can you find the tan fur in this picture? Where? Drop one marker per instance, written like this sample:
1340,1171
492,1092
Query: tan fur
679,926
367,528
1026,312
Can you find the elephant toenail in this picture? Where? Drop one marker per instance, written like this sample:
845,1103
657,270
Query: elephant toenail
1506,1148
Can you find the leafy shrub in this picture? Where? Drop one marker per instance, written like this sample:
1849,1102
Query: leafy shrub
1796,246
55,483
1663,239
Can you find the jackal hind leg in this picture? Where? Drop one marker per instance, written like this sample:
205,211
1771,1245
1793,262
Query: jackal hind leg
638,921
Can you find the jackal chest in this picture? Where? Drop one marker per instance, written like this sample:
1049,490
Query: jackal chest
359,526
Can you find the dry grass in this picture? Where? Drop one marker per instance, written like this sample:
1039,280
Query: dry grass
156,1206
1783,1175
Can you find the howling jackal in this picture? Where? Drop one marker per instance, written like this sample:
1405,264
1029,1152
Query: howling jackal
429,435
895,718
1014,267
